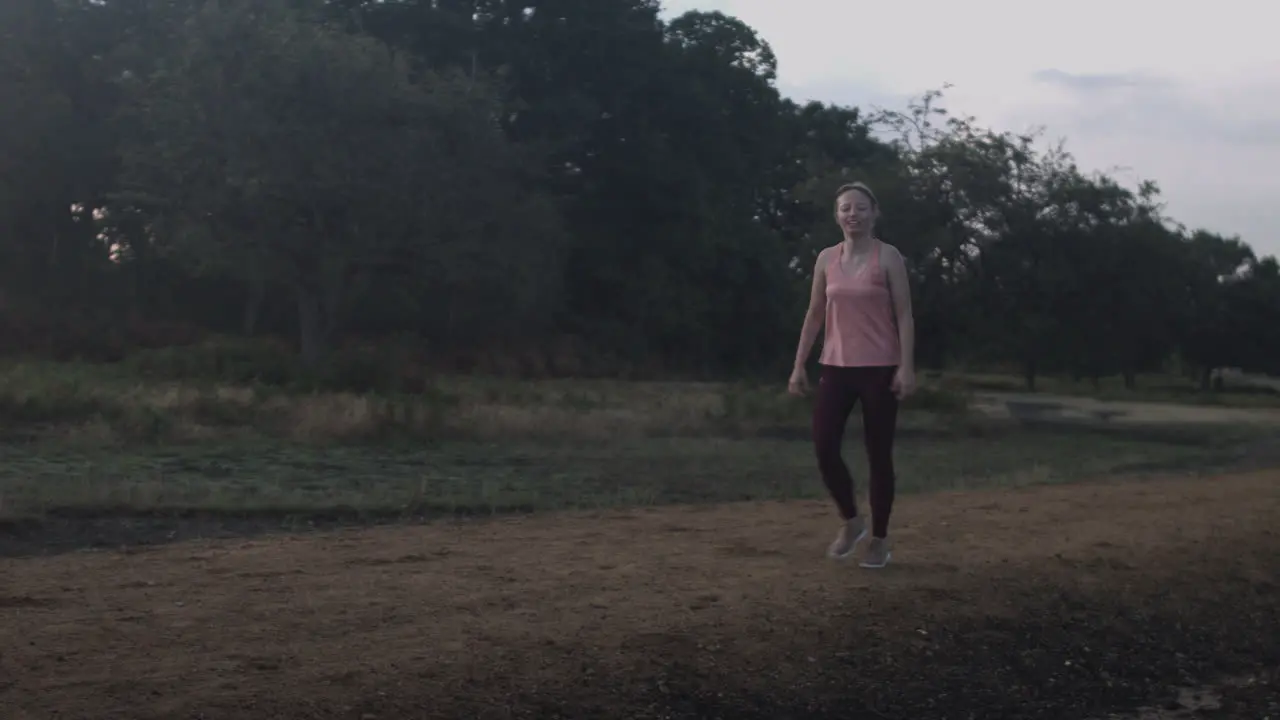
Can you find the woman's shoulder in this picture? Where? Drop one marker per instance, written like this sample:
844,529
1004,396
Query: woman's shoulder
825,255
889,252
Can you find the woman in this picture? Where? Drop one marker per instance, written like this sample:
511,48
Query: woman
861,302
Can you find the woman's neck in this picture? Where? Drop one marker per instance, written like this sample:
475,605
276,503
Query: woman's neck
857,243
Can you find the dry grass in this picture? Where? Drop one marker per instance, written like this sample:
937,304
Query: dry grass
96,442
284,480
1240,391
103,406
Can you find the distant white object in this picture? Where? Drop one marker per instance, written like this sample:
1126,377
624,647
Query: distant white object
1240,377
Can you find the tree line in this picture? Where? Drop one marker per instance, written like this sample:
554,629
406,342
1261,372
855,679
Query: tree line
573,178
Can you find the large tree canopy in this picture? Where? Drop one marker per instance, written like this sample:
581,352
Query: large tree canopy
473,174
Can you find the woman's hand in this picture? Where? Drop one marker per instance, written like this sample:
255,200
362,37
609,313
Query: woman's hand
904,382
799,383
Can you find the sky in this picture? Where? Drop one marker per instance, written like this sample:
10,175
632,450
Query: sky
1185,94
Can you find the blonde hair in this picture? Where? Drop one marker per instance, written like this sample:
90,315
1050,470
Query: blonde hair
862,188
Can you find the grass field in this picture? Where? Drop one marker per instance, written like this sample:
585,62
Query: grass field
1239,390
93,443
629,550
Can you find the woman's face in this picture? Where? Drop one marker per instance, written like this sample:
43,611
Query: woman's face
855,213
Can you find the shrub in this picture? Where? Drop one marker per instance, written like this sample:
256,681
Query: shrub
231,360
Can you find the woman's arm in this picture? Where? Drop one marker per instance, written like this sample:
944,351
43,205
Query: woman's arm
816,315
900,287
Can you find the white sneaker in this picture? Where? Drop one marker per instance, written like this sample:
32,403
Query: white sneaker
877,553
855,528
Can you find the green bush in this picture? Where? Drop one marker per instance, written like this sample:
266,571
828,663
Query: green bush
941,399
235,361
762,405
43,405
33,394
229,360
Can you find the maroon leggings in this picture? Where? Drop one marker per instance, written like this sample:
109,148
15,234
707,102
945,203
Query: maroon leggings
839,389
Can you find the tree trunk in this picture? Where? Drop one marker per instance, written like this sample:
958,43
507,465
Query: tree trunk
312,333
1130,380
1029,373
1206,379
253,306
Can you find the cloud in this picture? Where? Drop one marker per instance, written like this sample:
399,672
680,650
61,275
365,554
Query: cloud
1194,105
1211,144
1246,112
1098,82
848,93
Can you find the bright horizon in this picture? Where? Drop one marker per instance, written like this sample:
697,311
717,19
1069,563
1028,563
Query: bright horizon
1187,96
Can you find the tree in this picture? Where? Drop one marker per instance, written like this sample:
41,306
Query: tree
269,146
482,172
55,153
1216,279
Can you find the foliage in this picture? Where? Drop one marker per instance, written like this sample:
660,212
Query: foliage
577,185
224,390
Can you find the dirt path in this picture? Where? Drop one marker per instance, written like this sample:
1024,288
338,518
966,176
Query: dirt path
665,613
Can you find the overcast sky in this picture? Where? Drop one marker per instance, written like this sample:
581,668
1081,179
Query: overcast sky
1186,94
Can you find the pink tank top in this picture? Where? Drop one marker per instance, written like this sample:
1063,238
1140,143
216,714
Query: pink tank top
861,328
